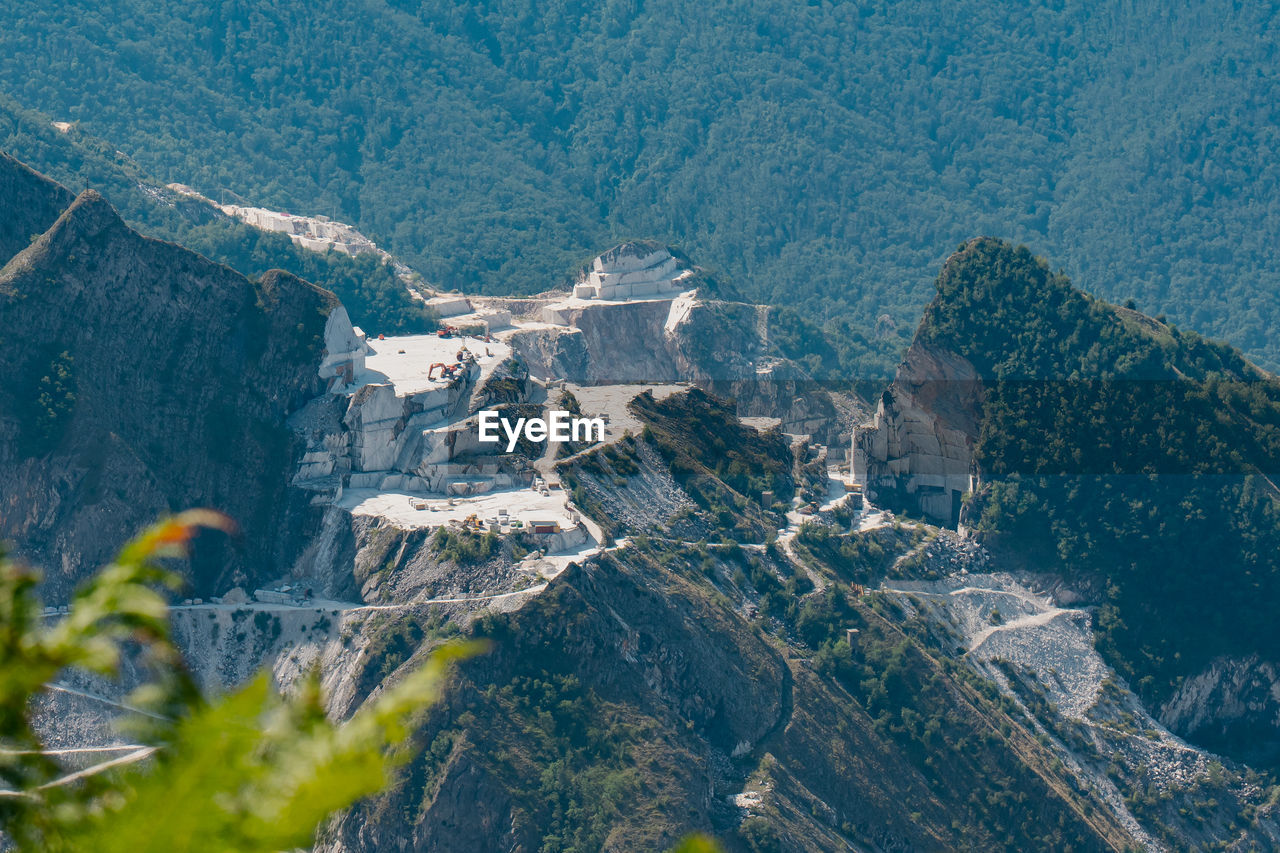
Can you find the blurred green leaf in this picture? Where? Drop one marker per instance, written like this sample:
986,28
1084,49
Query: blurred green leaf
252,771
697,844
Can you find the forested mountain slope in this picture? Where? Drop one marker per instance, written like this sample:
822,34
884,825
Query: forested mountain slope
671,686
369,289
822,155
1128,456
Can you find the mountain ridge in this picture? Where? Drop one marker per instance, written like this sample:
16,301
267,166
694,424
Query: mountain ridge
820,156
693,624
1122,454
149,379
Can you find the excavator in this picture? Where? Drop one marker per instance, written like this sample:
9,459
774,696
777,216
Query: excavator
446,370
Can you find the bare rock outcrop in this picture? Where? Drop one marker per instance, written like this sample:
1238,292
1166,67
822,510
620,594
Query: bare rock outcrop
144,379
1232,706
919,455
717,345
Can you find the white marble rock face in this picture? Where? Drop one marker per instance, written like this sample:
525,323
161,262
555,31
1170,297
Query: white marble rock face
920,443
629,271
344,348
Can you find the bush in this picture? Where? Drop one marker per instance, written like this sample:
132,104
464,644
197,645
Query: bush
464,547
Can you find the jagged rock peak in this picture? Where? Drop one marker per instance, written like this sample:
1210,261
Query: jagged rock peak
87,217
179,375
86,220
276,282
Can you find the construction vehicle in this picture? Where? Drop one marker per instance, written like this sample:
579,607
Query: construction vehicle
446,331
447,371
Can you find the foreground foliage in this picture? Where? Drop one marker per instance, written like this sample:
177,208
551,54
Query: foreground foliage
252,771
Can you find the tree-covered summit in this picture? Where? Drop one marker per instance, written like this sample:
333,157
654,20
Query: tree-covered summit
1136,460
1077,385
1008,313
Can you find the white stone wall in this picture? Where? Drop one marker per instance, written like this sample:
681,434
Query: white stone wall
344,347
495,319
556,315
925,427
661,271
314,234
449,306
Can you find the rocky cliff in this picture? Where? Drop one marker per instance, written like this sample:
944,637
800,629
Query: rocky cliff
1231,706
144,379
632,656
719,346
32,203
919,451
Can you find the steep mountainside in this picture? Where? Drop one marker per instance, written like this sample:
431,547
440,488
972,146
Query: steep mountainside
692,623
823,155
32,203
1113,450
143,379
671,685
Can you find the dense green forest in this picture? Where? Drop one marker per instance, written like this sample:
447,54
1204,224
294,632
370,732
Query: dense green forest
370,290
822,155
1128,454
